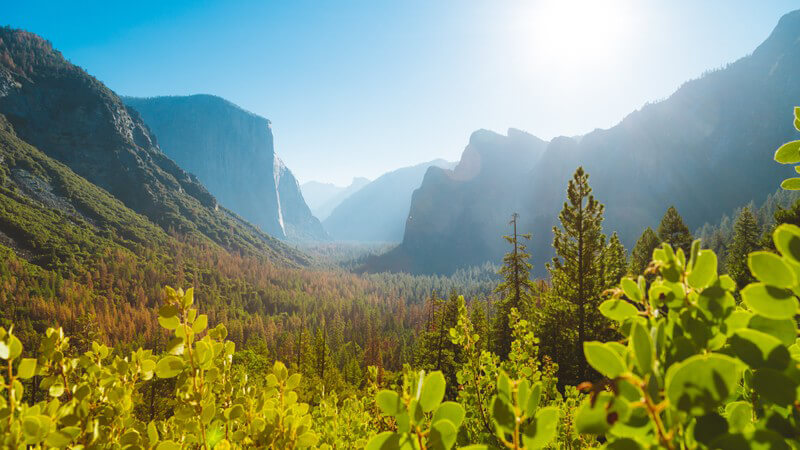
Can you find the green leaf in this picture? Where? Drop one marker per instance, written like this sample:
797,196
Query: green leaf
389,402
759,349
709,427
27,368
293,381
739,414
432,391
591,416
787,241
152,433
604,359
618,310
643,350
788,153
503,414
168,445
701,383
200,323
631,289
542,430
785,330
704,271
769,301
771,269
442,435
386,441
533,399
169,367
774,386
791,184
451,411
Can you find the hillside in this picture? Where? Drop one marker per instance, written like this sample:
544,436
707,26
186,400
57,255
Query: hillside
378,211
706,149
232,153
72,117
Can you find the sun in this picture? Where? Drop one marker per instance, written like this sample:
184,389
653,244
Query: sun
574,32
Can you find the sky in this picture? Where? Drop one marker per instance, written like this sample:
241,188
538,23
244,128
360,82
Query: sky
362,87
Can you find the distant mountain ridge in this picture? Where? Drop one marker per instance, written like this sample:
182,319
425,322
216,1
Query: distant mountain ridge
322,198
232,153
72,117
706,149
378,211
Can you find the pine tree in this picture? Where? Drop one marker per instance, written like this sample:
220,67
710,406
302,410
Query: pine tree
745,240
643,252
674,232
615,262
576,270
435,350
516,289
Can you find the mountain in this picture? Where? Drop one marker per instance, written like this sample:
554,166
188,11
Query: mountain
73,118
322,198
232,153
706,149
378,211
457,216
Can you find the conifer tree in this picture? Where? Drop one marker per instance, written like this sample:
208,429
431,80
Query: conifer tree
615,262
643,252
673,231
745,240
576,270
515,289
435,350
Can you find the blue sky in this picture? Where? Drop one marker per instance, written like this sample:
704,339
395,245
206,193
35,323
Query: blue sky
357,88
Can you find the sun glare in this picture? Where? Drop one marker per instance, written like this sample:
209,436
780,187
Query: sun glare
571,32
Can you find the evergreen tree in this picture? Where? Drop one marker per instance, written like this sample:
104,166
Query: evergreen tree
435,350
745,240
643,252
615,262
516,289
576,270
789,215
673,231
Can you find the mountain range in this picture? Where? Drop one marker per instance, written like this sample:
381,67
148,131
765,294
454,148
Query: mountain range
232,153
706,149
378,211
322,198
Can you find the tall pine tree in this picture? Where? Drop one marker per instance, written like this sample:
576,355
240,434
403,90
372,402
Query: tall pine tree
576,270
642,252
516,288
745,240
674,232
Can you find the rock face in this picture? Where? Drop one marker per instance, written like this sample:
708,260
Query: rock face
378,211
707,149
322,198
232,153
72,117
457,216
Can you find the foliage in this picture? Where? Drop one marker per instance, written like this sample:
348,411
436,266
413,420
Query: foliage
746,234
577,273
516,289
643,251
674,231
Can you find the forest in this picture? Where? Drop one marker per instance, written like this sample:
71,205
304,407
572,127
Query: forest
678,344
